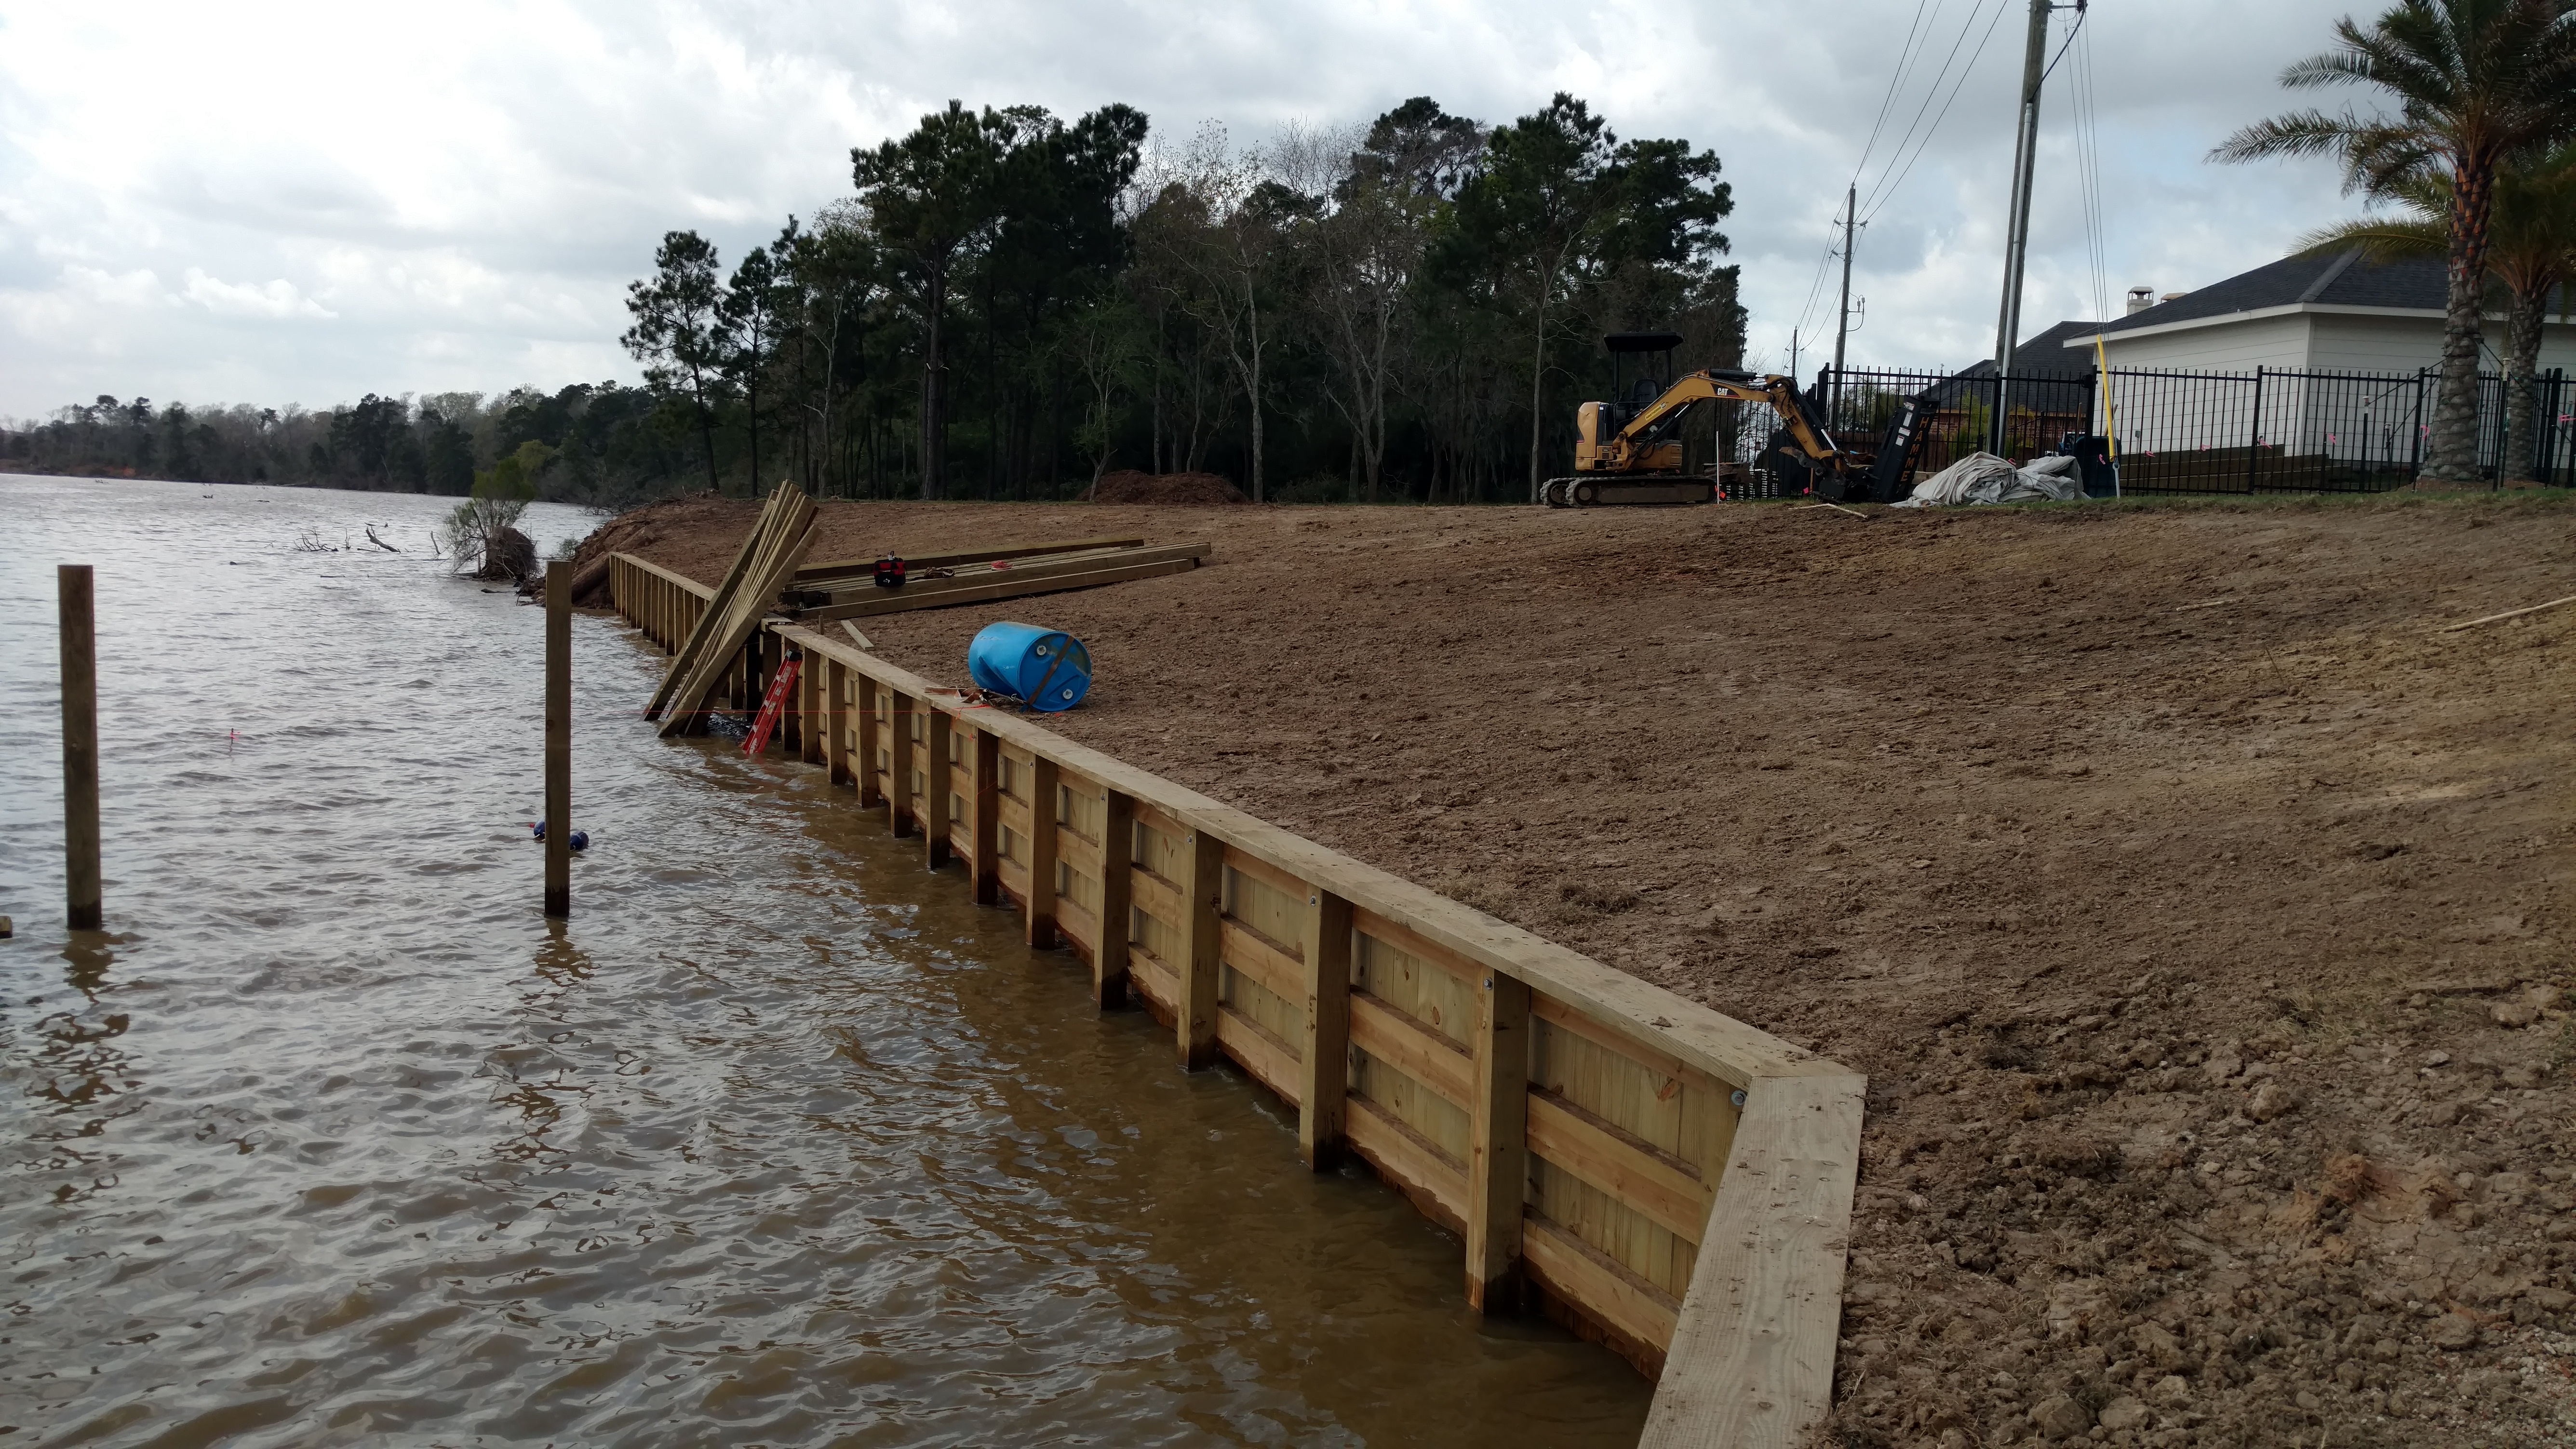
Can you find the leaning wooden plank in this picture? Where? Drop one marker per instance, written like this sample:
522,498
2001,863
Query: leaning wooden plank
1751,1362
835,568
733,624
715,605
684,659
1003,586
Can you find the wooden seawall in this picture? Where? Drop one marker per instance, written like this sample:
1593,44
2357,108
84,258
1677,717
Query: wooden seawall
1663,1176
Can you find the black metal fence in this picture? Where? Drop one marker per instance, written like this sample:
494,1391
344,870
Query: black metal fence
2267,431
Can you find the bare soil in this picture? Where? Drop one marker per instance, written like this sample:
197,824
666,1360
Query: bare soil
2193,905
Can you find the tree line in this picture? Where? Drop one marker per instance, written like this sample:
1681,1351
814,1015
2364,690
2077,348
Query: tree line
602,443
1011,304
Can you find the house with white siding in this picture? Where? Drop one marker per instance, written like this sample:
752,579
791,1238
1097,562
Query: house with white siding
2327,360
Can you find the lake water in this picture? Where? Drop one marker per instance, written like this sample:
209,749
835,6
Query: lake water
332,1139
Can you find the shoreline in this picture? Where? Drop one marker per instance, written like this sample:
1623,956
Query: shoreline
2078,832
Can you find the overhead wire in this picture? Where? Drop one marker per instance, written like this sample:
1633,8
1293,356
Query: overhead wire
1927,16
1894,175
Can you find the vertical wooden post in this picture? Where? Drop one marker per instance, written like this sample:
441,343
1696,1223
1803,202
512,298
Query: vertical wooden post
836,720
1117,892
938,783
1194,1018
1324,1052
559,738
1498,1147
988,818
809,711
1042,843
899,708
79,611
871,740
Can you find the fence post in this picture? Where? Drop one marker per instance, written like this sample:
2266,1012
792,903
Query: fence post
2415,434
2254,439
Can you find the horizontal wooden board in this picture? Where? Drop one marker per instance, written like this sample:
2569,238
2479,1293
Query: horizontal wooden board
1153,819
1408,1159
1077,922
1413,1048
1158,898
1013,874
1014,815
1074,850
1153,979
1655,1183
1576,1272
1266,873
1271,1061
1429,952
1262,959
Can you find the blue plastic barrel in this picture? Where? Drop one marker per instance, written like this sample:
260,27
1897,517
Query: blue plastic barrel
1046,669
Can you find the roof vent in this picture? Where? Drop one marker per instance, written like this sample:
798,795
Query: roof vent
2140,299
2176,296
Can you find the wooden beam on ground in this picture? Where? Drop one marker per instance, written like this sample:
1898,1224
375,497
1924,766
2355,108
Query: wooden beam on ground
1497,1143
1006,584
812,574
1758,1327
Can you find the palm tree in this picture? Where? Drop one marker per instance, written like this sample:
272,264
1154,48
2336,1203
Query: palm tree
2477,84
2531,253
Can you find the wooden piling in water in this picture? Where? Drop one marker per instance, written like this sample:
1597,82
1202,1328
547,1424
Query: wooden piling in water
79,611
559,738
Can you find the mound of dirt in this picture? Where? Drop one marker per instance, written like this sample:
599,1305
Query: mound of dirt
1131,486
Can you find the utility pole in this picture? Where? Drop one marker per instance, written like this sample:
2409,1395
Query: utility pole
2034,67
1842,327
1842,334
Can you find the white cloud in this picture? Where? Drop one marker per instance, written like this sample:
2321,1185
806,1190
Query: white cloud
273,299
454,196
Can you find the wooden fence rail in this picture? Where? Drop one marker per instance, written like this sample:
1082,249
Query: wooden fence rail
1666,1178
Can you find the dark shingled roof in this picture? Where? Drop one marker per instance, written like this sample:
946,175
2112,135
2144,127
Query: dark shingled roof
2342,279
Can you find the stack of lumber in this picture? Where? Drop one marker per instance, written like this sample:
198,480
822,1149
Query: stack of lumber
767,563
846,589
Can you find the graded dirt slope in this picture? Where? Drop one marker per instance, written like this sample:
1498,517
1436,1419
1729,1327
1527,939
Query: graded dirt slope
2195,909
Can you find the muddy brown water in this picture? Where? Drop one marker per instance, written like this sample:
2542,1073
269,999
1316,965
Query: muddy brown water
332,1140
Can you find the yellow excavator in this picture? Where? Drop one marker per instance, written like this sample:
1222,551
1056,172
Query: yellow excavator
1629,447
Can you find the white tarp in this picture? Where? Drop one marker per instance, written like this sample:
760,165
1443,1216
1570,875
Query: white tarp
1985,478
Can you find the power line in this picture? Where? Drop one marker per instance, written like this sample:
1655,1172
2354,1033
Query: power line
1887,189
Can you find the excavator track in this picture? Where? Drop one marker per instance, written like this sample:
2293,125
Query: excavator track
1600,490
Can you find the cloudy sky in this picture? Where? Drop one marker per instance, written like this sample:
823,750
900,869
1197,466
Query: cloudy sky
300,203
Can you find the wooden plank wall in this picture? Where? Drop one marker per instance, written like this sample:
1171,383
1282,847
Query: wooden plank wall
1667,1179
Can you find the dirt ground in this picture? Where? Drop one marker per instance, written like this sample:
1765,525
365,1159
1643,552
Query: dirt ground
2192,904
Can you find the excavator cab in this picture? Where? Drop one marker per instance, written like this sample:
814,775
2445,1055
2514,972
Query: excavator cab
1641,369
